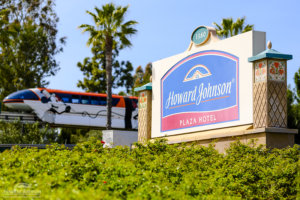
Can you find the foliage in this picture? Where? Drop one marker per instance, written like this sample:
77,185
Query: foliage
94,74
122,93
76,135
297,83
152,171
142,77
293,106
229,28
28,44
18,133
109,34
123,76
94,71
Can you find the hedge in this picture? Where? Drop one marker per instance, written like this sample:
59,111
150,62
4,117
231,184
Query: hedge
152,171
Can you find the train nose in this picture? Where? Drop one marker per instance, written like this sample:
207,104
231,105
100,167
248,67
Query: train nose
16,100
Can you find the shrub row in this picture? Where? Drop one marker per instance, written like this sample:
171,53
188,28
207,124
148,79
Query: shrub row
152,171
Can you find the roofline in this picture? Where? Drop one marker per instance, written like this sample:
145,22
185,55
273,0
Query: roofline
80,93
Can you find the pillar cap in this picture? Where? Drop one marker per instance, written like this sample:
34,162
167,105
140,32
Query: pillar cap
147,86
270,53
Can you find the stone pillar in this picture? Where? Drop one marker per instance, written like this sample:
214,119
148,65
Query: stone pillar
113,138
145,112
270,89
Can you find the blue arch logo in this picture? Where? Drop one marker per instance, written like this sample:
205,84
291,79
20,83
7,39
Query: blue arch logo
197,72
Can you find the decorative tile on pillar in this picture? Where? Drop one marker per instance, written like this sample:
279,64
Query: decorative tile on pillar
277,107
260,104
276,70
143,100
144,127
260,71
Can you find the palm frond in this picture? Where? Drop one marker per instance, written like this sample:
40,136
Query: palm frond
229,27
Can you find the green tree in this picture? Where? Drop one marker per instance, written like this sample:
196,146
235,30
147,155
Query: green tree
5,30
297,83
142,77
111,33
28,44
229,28
124,76
293,106
94,72
122,93
138,76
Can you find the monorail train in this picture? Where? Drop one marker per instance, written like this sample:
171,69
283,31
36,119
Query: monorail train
60,107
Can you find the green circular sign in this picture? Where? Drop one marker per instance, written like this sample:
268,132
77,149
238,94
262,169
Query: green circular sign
200,35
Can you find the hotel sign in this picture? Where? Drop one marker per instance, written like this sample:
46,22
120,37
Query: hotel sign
200,89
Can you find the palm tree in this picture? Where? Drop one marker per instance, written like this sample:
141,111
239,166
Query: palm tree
230,28
111,33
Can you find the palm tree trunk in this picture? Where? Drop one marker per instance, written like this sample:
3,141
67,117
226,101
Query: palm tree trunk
108,63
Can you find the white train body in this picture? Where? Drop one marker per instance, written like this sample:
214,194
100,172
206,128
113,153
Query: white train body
59,107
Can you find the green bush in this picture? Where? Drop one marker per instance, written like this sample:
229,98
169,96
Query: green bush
152,171
76,135
19,133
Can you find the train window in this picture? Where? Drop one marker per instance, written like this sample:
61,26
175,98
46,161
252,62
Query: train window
95,101
29,95
23,94
98,101
75,99
115,101
64,97
85,99
102,101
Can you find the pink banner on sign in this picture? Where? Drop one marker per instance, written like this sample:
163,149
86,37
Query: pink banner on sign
184,120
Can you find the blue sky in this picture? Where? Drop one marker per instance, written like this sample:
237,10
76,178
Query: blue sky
165,28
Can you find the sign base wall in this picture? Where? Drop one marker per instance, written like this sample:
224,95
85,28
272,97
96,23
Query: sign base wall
222,138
